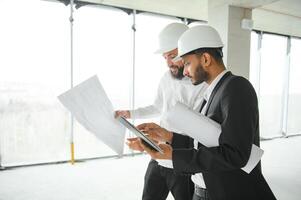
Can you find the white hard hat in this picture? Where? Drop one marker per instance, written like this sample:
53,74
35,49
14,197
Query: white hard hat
202,36
169,36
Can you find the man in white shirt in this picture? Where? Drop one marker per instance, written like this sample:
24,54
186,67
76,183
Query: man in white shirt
160,178
231,101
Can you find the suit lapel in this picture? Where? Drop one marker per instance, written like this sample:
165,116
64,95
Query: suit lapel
215,90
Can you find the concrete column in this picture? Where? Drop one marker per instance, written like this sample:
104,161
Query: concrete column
227,21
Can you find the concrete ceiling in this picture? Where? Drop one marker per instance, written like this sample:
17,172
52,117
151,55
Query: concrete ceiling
194,9
276,16
287,7
198,9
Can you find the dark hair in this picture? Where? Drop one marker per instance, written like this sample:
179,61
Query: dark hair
216,53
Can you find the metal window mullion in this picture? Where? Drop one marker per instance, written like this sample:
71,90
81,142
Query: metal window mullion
133,60
132,86
285,94
71,19
258,79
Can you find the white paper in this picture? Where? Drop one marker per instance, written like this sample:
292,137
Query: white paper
194,124
91,107
256,154
165,163
204,130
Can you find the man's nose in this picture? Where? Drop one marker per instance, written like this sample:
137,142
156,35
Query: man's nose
169,63
185,71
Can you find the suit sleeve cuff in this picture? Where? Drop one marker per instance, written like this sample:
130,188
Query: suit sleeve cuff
181,160
179,141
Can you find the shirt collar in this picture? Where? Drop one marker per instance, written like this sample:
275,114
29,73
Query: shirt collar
211,87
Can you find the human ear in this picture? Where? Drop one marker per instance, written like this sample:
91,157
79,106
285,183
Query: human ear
207,59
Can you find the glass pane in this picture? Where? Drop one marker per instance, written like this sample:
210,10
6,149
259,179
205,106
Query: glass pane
273,59
294,101
103,46
150,67
34,64
254,61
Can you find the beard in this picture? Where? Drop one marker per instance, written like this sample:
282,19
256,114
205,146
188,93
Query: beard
200,75
177,71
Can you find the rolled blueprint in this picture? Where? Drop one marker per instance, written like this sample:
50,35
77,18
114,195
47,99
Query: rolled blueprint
204,130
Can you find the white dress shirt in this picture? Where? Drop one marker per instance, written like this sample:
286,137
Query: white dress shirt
171,91
198,178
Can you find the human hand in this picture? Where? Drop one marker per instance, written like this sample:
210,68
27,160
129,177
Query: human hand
123,113
166,148
155,132
135,144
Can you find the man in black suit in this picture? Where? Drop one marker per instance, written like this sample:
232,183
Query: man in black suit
232,102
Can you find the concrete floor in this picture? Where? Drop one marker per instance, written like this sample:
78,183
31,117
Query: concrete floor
112,179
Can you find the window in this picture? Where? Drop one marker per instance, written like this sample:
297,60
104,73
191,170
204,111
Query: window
272,69
34,70
150,67
255,61
294,99
275,74
102,46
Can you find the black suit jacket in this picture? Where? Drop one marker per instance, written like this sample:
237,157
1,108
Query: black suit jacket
233,104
